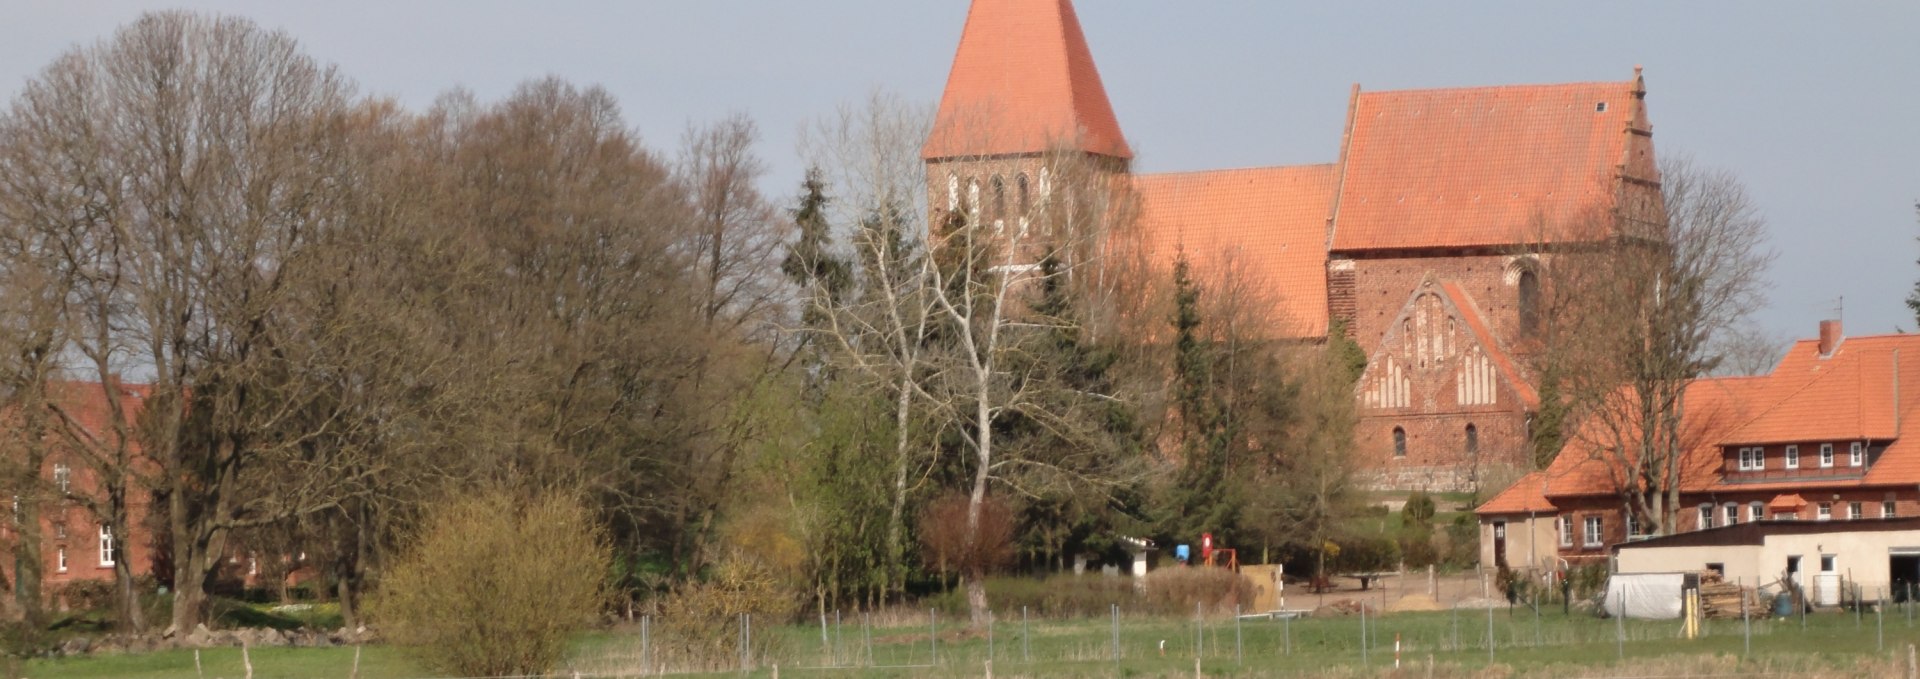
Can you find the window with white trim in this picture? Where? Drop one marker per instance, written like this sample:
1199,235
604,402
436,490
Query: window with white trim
1565,524
1793,457
1886,509
106,545
62,477
1826,456
1593,533
62,562
1826,511
60,530
1856,454
1706,517
1731,512
1633,524
1854,511
1756,511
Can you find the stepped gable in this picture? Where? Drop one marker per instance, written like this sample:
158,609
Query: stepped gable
1488,167
1023,82
1268,224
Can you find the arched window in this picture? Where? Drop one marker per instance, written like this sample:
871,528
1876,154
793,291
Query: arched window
1473,440
1529,303
1024,193
1399,442
999,201
953,192
973,198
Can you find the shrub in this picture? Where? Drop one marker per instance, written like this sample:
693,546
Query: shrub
496,584
1419,509
1175,591
700,620
1365,554
1463,541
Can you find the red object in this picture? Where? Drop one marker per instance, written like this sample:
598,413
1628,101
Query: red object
1206,547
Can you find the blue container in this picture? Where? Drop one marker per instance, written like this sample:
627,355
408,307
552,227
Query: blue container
1783,605
1181,553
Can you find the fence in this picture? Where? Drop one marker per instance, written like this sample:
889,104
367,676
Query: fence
1465,629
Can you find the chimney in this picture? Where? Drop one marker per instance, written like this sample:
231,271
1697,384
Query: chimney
1830,337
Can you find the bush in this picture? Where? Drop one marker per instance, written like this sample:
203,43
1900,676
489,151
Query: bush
1176,591
1463,541
496,585
700,620
1365,554
1418,510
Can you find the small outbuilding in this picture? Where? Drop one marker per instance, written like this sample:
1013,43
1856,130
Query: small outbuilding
1834,561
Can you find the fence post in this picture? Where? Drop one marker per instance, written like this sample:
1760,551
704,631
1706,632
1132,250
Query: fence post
1620,623
933,637
839,639
1489,633
1746,619
1239,655
990,620
646,644
1026,649
1286,631
1363,632
1116,633
826,644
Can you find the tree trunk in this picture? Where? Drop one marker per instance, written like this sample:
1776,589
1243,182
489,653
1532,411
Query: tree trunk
896,580
975,569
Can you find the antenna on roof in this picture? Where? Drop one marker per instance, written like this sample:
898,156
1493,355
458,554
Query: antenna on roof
1840,308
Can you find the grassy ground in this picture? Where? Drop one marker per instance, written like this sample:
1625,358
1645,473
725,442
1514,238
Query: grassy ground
1456,644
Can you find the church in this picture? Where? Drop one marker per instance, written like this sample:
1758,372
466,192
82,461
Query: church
1423,240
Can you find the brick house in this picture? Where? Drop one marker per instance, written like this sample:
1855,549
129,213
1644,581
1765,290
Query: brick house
1424,237
1820,438
77,545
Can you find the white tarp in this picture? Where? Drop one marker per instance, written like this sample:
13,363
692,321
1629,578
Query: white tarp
1648,596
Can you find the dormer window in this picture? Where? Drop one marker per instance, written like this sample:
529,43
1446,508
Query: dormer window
1856,455
1826,456
1793,457
1753,459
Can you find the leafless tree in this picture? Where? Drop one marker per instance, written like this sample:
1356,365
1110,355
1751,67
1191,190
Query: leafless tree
1641,316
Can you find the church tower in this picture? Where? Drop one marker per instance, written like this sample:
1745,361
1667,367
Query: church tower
1023,95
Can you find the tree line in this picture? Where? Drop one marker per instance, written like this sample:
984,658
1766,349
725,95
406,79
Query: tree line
333,313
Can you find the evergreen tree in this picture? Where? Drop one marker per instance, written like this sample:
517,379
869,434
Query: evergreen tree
1201,497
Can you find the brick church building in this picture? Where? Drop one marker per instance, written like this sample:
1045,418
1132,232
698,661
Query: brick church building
1424,237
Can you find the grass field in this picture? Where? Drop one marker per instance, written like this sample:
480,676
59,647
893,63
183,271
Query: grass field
1559,646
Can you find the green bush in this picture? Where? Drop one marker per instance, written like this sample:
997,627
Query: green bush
1418,510
496,583
1463,541
1365,554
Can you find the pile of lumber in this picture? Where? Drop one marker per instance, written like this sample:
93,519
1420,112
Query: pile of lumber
1722,599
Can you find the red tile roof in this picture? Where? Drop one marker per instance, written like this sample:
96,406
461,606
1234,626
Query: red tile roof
1843,397
1269,224
1524,496
1714,406
1484,166
1788,502
1484,335
1023,81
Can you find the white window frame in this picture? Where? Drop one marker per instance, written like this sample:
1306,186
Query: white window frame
1825,512
1826,456
1756,511
107,546
1566,530
1889,509
1855,511
1793,457
62,477
61,556
1856,454
1760,458
1595,531
1705,518
1633,525
1730,512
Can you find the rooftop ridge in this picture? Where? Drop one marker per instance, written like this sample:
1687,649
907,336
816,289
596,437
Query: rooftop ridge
1030,57
1244,168
1508,86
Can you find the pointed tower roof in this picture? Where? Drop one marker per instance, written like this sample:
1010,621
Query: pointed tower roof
1023,81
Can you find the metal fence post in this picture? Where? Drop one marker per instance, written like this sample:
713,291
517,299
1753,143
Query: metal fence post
933,637
1026,649
1286,631
1363,633
646,644
1116,633
1620,624
1199,633
1239,654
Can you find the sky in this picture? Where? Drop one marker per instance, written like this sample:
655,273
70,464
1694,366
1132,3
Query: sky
1814,106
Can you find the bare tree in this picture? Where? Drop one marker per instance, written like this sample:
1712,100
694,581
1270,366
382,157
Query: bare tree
1641,316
